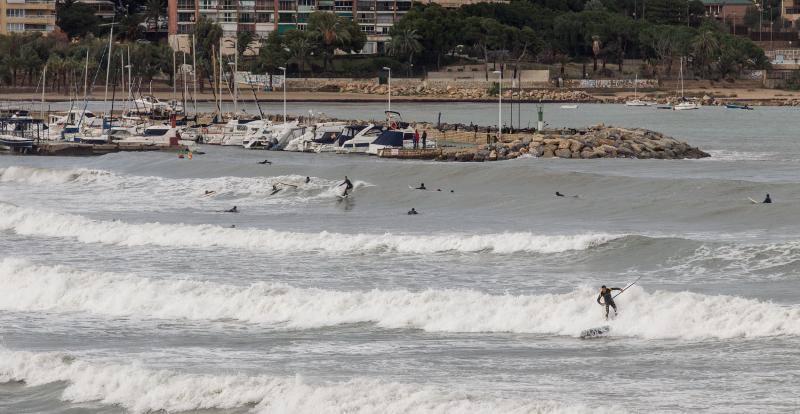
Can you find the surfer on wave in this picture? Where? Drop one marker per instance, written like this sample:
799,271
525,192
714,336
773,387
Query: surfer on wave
608,300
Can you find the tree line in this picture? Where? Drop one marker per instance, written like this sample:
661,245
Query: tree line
597,32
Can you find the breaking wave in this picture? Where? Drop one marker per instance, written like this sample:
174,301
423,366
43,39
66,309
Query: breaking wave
31,222
652,315
142,390
293,188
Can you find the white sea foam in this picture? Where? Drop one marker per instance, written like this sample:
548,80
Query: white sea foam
32,175
141,390
657,315
144,189
32,222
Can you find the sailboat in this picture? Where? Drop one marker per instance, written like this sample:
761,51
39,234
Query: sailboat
685,105
636,101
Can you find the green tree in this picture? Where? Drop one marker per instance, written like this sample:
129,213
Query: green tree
76,19
705,50
207,35
332,32
405,43
155,10
301,47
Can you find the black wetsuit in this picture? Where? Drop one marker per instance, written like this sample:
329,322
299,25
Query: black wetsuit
608,299
348,186
767,200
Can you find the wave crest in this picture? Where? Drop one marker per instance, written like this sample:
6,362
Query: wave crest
657,315
32,222
143,390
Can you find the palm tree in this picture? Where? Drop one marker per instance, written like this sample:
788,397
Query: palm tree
705,48
300,46
331,32
405,43
154,13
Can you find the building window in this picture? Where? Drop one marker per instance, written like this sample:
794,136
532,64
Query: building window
16,27
15,12
245,17
36,27
262,17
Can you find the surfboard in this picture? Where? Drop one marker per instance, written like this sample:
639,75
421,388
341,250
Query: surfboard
211,194
595,332
753,201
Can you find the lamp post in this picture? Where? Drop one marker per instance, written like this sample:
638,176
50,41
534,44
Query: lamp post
388,69
500,106
284,93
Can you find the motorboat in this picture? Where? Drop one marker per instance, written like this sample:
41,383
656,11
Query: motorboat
73,123
569,106
154,135
392,138
234,132
686,106
283,134
334,144
258,134
360,142
150,104
738,106
315,136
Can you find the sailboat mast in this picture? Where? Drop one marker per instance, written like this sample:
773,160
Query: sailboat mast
235,71
194,77
220,78
44,83
86,76
108,63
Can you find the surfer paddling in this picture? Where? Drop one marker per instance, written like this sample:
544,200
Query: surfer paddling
608,300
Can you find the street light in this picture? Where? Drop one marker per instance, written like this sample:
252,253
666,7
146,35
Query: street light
386,68
500,107
284,93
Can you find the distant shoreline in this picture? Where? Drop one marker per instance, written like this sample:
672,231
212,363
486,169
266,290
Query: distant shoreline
756,97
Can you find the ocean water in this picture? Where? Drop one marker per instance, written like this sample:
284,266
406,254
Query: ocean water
124,288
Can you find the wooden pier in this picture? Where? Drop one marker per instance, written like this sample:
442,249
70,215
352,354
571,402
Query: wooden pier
410,154
79,149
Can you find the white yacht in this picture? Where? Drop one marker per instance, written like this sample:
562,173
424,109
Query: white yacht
315,136
150,104
154,135
360,142
392,138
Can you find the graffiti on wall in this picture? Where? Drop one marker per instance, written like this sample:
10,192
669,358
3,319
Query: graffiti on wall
611,83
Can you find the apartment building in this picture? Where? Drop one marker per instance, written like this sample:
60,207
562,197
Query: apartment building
790,9
27,16
374,17
732,11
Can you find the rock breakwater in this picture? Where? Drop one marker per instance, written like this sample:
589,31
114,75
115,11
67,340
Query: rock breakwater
595,142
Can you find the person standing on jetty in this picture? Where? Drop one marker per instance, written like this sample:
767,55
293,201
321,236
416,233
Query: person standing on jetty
416,139
608,300
424,139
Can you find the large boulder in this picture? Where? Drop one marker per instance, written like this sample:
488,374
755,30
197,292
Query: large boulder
563,153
